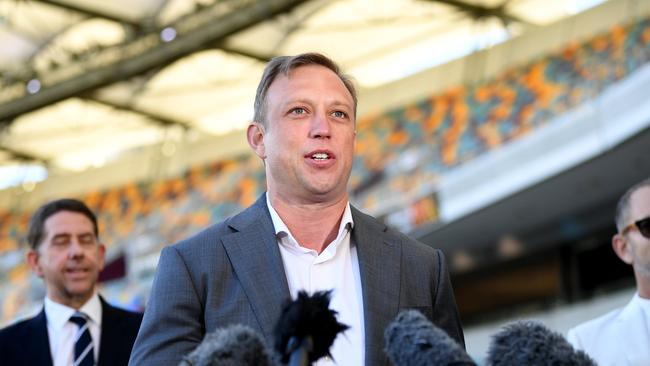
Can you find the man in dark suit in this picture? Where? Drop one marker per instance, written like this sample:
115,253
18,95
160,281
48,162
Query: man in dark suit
301,235
76,326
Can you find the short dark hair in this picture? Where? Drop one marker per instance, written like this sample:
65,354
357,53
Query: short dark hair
285,64
36,230
623,206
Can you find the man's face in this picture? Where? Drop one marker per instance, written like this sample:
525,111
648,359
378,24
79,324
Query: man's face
308,141
638,244
69,258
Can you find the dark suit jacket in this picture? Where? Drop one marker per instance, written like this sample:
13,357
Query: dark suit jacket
232,273
27,343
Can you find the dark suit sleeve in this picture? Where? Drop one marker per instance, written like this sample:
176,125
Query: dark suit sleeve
445,312
172,324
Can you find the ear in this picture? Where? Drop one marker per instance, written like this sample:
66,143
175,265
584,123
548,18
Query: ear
102,256
32,260
255,135
622,247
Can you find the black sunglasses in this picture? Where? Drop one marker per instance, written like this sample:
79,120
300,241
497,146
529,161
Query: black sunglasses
642,225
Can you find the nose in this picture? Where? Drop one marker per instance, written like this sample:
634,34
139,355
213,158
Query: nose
75,250
320,126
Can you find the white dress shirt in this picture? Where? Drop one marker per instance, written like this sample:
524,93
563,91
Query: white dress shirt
62,331
337,269
618,338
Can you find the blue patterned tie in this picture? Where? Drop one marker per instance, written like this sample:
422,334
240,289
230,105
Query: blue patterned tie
83,345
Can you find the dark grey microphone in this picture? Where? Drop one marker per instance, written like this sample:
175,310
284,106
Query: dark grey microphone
412,340
236,345
528,342
306,329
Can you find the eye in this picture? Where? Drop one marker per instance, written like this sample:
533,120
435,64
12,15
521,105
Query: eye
87,239
60,240
339,114
298,111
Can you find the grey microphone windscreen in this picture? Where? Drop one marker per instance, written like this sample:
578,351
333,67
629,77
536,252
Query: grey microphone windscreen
527,342
237,345
412,340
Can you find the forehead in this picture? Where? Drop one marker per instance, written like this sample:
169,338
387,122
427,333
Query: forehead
68,222
310,81
640,203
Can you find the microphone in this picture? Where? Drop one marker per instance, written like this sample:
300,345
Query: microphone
412,340
306,329
236,345
529,342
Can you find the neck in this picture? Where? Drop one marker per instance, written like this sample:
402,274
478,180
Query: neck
642,285
313,225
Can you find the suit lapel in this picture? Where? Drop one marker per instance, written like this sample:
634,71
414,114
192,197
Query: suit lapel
630,326
110,331
379,266
39,340
254,254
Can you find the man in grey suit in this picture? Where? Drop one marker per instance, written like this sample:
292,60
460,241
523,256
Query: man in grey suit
303,234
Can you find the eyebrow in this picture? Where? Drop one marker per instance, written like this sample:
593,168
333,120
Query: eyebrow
294,101
343,104
65,235
336,103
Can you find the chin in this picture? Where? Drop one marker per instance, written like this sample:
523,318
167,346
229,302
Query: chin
321,187
326,192
80,291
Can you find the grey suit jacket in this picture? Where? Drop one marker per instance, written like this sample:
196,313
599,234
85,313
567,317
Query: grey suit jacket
232,273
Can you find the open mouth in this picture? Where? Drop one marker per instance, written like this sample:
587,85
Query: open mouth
320,155
76,271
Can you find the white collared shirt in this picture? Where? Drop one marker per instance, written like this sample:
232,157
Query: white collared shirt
618,338
62,331
337,269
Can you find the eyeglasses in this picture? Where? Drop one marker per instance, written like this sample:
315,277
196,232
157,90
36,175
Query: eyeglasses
642,225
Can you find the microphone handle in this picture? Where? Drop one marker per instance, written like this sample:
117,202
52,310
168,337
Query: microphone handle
300,356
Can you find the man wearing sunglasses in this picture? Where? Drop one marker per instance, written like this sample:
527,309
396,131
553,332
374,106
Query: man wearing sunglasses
622,336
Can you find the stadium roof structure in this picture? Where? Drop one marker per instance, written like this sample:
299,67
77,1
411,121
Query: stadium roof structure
85,82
